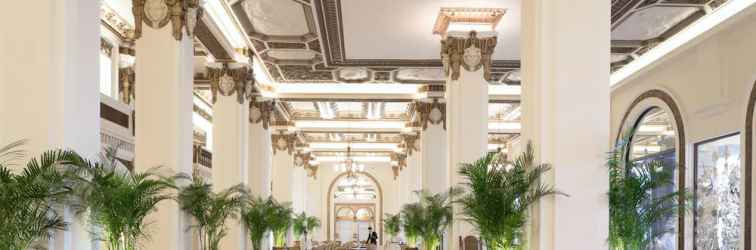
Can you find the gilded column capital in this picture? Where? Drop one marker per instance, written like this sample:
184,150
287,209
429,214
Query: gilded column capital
431,113
469,52
304,160
395,169
126,80
182,14
283,142
409,143
228,81
399,160
261,112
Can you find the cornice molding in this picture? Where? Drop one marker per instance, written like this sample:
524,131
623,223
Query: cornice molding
182,14
471,53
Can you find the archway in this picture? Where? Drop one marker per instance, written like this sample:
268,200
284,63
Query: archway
353,193
749,123
657,104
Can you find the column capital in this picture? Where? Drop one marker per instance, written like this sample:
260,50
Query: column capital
283,142
261,112
127,80
431,113
304,159
468,50
399,160
182,14
229,79
409,142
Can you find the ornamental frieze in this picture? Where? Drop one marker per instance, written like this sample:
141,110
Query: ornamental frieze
470,53
261,112
182,14
431,113
227,81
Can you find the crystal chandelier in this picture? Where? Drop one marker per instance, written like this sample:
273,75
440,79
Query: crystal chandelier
349,166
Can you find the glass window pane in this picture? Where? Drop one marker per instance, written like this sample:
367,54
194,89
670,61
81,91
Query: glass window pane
717,190
106,74
653,141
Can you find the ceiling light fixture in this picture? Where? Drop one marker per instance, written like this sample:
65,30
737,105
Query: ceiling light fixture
467,19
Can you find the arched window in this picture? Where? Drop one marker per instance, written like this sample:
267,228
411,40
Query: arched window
654,139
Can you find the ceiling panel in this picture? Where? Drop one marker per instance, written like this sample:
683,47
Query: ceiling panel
651,22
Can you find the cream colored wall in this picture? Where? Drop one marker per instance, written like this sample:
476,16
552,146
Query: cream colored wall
709,80
317,193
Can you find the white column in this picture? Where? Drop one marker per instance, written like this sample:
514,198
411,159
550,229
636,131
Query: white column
260,160
49,86
164,76
565,68
283,166
231,146
435,176
467,122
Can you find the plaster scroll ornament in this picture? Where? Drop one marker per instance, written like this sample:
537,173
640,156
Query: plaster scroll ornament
283,142
227,81
261,112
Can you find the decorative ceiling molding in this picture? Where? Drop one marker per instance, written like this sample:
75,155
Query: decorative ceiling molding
116,24
489,16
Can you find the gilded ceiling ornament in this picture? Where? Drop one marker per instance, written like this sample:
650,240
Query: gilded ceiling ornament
227,81
126,79
182,14
472,53
431,113
283,142
261,111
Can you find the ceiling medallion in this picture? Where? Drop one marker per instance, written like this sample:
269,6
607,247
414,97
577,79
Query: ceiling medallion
183,14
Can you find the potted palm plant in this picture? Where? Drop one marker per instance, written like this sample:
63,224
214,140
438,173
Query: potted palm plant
301,225
412,220
210,210
119,200
392,224
27,199
499,195
279,221
437,215
254,215
633,207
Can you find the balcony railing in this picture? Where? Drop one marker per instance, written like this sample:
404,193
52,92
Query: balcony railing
202,157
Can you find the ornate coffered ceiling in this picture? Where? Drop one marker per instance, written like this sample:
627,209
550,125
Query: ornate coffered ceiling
640,25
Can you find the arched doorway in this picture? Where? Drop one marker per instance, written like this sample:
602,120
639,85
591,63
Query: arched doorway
355,203
659,135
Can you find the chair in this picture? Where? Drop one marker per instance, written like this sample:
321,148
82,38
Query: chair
469,243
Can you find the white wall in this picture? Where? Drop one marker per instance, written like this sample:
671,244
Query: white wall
710,81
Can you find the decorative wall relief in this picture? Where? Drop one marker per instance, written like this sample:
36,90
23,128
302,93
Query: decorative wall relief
182,14
227,81
471,52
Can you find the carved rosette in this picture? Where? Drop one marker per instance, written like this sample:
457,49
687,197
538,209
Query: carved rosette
409,142
471,53
227,81
126,80
182,14
261,112
431,113
283,142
